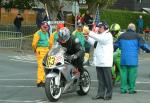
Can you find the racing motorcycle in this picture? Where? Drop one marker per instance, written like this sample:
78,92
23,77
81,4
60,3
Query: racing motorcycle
62,77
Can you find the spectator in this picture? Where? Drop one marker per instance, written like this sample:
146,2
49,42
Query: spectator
39,19
79,19
115,30
60,15
54,36
40,45
129,44
88,19
103,43
79,34
17,22
140,24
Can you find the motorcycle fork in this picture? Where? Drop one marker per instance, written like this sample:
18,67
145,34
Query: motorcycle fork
57,79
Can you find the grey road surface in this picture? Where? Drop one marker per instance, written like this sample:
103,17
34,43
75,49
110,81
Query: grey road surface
18,75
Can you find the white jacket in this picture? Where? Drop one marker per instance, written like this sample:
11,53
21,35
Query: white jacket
104,50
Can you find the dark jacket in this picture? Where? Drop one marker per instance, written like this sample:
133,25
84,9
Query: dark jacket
17,21
76,48
130,42
73,47
88,20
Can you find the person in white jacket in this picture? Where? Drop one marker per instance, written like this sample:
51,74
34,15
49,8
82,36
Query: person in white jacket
103,60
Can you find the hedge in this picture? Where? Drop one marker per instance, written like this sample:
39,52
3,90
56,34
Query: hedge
123,17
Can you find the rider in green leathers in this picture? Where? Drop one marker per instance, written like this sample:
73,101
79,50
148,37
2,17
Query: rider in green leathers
115,31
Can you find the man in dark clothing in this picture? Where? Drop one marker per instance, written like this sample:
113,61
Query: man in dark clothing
39,19
60,15
88,19
140,24
75,51
17,22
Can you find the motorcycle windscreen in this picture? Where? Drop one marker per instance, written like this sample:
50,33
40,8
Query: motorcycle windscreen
54,57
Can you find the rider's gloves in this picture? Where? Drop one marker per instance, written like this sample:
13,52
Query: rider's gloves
74,57
71,57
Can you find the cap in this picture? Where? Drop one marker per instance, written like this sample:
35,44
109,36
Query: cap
103,23
44,23
60,25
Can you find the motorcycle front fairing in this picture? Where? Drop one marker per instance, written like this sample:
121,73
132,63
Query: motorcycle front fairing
55,64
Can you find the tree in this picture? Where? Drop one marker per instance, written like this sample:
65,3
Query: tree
52,7
19,4
23,4
103,4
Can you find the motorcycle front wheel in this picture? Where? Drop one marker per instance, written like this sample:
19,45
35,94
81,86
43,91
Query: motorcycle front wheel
53,92
85,83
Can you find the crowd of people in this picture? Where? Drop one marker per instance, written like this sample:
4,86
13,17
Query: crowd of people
110,47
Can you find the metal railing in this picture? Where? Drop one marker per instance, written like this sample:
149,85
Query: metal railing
9,39
25,29
147,36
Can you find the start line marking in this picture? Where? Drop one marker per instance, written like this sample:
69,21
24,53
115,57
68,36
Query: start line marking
27,101
138,82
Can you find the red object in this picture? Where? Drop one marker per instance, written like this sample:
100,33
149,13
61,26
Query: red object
147,31
60,25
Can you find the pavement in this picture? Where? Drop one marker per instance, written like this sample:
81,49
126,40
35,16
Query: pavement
18,82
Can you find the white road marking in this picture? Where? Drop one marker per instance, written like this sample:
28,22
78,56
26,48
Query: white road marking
19,86
27,101
12,86
146,91
23,58
23,61
17,74
138,82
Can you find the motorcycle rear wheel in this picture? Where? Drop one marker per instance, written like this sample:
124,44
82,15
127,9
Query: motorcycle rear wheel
85,83
53,92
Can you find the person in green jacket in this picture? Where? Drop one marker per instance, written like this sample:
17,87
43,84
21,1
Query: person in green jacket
115,31
54,35
79,34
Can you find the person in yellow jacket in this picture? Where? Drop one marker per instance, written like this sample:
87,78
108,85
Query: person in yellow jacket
54,35
40,45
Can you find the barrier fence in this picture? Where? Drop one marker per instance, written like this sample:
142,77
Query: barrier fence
147,34
9,39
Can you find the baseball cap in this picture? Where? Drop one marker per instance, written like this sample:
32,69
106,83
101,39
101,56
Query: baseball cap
103,23
44,24
60,25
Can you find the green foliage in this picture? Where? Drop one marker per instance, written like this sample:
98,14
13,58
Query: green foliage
124,17
20,4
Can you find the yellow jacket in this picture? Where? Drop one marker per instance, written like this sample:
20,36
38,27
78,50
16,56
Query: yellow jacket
36,38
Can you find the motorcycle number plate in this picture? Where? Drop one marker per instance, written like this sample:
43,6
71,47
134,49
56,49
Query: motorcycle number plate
50,61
